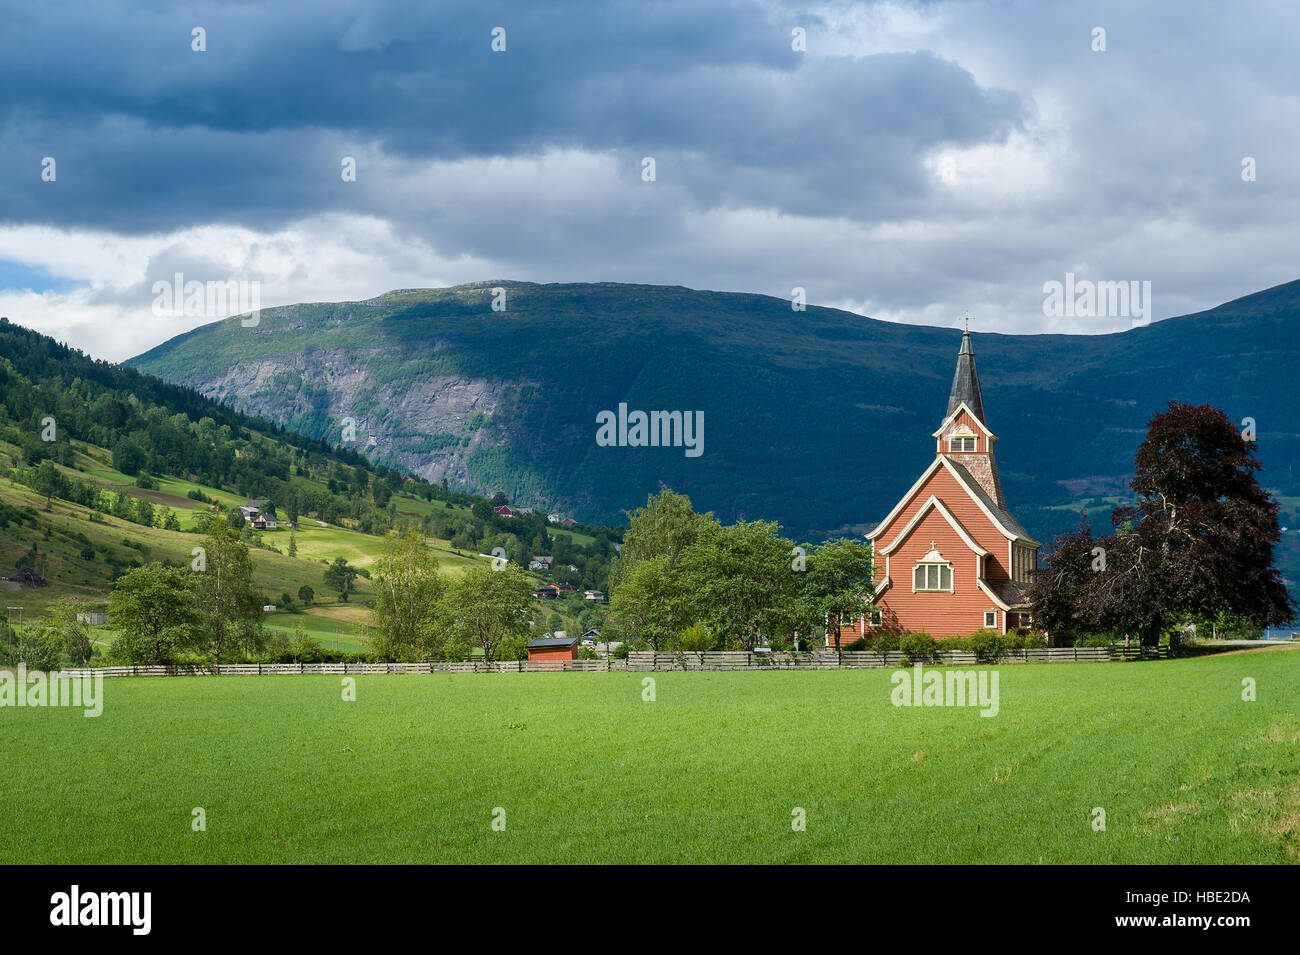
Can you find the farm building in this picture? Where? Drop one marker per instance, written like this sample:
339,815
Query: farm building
950,558
553,648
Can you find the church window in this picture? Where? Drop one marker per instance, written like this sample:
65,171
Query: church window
990,618
932,573
961,445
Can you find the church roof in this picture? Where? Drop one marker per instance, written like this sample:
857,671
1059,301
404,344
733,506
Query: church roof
1000,514
966,383
1012,593
1001,517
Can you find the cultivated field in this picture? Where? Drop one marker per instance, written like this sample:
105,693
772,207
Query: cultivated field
710,771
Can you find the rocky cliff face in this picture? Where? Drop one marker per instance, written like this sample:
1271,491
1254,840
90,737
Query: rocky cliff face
432,425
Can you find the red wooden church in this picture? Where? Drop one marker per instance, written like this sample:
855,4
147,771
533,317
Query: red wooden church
950,558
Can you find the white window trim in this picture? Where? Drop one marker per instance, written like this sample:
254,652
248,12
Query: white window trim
994,624
952,577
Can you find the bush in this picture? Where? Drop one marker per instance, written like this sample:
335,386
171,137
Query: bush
40,647
695,639
859,644
620,652
883,642
987,645
917,647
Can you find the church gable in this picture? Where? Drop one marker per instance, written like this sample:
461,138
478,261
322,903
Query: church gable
940,484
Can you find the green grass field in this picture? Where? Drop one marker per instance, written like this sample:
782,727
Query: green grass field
711,771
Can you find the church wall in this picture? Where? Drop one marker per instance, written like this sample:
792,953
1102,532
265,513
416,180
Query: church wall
939,614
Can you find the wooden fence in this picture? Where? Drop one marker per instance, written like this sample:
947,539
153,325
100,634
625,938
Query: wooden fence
646,661
296,669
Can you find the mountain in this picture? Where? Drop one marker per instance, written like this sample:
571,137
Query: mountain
819,419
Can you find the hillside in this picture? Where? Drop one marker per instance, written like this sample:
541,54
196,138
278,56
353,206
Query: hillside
820,419
134,466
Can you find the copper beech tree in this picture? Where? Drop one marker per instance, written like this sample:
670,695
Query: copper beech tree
1198,541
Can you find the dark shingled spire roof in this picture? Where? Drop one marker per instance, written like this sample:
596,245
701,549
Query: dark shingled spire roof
965,383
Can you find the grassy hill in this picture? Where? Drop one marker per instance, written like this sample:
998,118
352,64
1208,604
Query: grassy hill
820,419
133,467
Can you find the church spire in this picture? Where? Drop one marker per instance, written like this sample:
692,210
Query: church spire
966,383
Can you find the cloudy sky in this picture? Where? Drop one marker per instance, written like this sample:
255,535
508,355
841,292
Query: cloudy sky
915,161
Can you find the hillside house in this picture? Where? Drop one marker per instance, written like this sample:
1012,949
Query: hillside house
950,557
596,595
541,562
253,508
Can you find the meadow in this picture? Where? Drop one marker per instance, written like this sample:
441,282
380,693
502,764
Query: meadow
712,770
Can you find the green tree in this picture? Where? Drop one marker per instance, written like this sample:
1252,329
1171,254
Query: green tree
38,645
484,607
152,609
837,585
306,595
665,527
293,544
73,634
340,576
741,583
408,593
230,611
48,480
651,600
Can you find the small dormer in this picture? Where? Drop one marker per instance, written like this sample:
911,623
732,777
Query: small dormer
962,440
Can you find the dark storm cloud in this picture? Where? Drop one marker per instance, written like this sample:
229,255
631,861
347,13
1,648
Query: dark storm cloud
149,135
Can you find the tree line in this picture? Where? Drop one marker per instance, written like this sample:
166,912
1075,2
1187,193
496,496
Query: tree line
686,581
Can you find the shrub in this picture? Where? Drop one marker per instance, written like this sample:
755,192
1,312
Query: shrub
883,642
695,639
859,644
39,646
917,647
987,645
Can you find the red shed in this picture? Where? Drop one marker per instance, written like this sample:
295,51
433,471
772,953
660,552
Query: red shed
553,648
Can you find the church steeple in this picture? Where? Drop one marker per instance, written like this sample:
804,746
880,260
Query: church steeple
966,383
965,439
